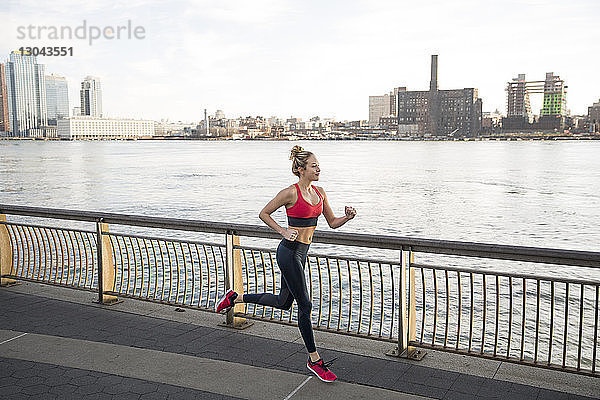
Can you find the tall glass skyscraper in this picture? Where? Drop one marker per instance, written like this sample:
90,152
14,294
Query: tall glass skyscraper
57,98
26,95
91,97
4,124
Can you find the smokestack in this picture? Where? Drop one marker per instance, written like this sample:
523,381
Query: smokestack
433,84
434,101
206,123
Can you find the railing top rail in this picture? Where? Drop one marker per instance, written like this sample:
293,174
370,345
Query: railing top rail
446,247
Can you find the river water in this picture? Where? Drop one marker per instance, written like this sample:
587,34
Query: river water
534,193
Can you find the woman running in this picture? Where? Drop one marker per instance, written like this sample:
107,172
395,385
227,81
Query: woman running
304,203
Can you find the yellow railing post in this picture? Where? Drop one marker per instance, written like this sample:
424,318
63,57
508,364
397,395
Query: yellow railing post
411,351
407,309
6,254
238,283
234,280
403,314
106,268
401,347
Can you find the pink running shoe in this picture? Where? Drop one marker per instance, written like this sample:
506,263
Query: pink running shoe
321,370
226,302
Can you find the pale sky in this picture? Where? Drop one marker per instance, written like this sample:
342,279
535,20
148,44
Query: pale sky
306,58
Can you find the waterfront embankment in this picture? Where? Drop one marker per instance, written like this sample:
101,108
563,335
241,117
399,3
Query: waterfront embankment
56,343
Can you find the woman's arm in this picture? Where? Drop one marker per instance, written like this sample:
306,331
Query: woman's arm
333,221
286,196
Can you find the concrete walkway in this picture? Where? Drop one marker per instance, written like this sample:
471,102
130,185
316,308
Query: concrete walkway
56,343
230,379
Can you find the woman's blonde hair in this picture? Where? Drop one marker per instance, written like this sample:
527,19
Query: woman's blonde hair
299,156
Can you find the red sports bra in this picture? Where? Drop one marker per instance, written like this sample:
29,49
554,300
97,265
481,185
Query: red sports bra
302,208
303,216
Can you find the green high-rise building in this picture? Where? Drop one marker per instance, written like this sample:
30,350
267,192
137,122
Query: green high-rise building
555,97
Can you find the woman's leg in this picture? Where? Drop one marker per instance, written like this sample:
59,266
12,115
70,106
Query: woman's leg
291,263
293,286
283,300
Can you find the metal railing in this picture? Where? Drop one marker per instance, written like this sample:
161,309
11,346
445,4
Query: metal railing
511,316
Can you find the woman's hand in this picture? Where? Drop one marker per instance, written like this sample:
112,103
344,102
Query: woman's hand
290,234
350,212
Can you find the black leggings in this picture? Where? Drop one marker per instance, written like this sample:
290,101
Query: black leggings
291,257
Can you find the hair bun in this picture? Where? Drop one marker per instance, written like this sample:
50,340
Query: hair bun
295,151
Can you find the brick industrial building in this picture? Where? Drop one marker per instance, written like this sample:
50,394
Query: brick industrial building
430,112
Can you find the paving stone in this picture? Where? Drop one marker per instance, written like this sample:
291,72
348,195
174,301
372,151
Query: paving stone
84,380
59,380
35,379
4,373
442,383
294,363
385,377
526,390
422,390
184,395
168,389
546,394
154,396
63,389
453,395
8,381
519,396
116,389
354,370
75,374
129,396
109,380
88,389
16,396
95,396
49,372
494,388
35,389
467,384
416,374
174,349
22,373
141,387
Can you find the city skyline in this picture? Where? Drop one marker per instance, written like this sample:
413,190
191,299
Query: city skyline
281,58
38,106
